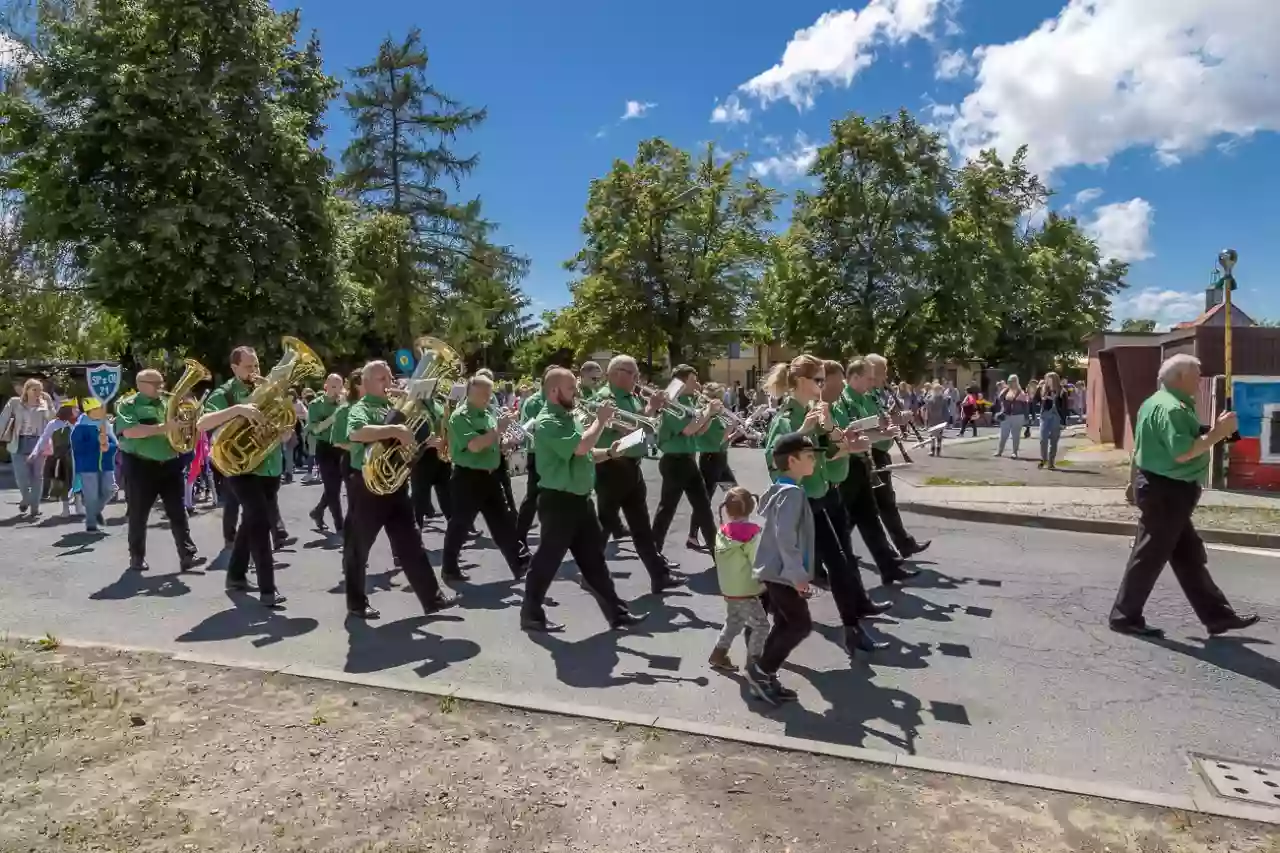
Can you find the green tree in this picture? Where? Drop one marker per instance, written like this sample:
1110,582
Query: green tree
401,168
173,146
1136,324
673,250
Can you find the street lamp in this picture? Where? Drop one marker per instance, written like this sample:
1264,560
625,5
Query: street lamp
672,204
1227,260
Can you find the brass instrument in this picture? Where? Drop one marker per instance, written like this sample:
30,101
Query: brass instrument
241,445
631,421
675,408
388,464
179,410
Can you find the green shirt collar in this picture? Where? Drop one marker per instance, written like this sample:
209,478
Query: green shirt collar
375,400
556,409
1184,399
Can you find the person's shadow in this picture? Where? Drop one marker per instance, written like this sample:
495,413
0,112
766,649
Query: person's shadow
78,542
854,702
1230,653
375,647
248,618
132,584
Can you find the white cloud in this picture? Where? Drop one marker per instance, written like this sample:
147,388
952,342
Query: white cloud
952,64
1166,307
1086,197
730,112
839,45
790,165
1108,75
637,109
1122,230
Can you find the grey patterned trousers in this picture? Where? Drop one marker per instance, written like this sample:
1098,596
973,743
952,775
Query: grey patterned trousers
744,613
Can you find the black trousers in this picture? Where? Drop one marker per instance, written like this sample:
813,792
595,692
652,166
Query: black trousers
329,459
1166,534
714,468
504,480
528,506
791,624
430,473
145,481
681,477
474,491
231,513
834,551
568,525
858,494
887,503
620,486
371,514
255,499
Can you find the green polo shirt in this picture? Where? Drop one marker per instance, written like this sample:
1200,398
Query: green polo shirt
136,410
233,393
864,406
556,435
532,407
837,470
339,432
671,437
714,440
623,401
1166,428
466,423
790,418
320,410
367,411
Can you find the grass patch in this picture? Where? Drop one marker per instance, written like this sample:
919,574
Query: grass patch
952,481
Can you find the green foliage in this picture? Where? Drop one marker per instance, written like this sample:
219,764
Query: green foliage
673,249
1135,324
172,145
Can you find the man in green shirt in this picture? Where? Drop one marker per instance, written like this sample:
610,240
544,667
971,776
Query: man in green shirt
321,415
430,472
621,487
677,439
886,500
475,437
529,411
712,447
152,470
371,513
1171,454
569,453
858,491
262,528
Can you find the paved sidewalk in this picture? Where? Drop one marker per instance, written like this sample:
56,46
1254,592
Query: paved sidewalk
1057,495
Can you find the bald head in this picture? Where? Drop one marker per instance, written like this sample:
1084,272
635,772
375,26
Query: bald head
150,382
560,387
333,385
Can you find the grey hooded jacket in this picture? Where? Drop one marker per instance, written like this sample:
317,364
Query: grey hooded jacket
786,551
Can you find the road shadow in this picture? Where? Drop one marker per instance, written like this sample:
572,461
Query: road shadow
591,663
133,584
899,655
71,544
1232,654
374,647
498,595
248,618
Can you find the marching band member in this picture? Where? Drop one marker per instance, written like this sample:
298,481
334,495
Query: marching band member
254,495
321,415
885,499
859,488
569,453
677,439
621,483
529,409
372,513
799,385
152,470
712,446
431,472
504,469
590,378
475,436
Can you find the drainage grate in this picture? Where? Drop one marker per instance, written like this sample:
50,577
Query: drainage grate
1239,780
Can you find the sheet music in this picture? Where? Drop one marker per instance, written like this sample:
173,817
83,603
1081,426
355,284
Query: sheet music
631,439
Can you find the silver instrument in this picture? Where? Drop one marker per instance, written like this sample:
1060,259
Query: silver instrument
675,408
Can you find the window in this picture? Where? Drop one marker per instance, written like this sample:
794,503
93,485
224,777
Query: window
1271,434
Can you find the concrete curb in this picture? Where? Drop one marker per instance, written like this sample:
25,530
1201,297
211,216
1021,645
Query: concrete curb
1079,525
1200,801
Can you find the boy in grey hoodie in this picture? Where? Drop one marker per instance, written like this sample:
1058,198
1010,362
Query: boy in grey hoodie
784,561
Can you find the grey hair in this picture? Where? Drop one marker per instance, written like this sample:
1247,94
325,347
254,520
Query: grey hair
1174,367
589,365
370,367
621,361
876,360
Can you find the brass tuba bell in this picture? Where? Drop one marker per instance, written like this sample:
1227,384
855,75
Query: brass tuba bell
180,410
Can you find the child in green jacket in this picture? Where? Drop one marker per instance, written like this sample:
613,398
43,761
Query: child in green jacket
736,543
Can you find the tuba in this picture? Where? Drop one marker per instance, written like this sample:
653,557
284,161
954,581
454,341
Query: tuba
387,464
182,411
240,445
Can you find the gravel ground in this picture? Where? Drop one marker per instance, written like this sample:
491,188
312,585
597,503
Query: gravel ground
107,751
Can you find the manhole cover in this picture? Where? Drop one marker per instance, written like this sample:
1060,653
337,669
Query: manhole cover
1240,780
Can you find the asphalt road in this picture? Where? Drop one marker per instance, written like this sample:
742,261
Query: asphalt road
1001,655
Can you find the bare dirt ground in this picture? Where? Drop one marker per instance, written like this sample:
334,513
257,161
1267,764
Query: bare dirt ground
106,751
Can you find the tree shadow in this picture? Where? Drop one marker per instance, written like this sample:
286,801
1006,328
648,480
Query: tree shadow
133,584
1230,653
248,618
372,648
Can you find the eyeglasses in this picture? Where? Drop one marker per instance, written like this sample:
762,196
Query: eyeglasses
817,380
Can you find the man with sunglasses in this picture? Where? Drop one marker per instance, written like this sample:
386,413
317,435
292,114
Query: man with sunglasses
152,470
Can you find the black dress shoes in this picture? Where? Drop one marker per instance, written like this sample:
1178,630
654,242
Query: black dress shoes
1135,629
625,620
540,626
365,612
455,575
671,580
442,601
1235,623
875,608
857,637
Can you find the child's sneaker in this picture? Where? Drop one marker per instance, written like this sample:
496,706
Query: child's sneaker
786,694
761,684
720,660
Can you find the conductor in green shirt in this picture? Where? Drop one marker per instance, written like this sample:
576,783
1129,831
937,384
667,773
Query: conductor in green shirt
1171,454
568,452
152,470
475,445
677,439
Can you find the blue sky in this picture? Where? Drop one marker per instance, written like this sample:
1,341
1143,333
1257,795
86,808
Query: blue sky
1156,126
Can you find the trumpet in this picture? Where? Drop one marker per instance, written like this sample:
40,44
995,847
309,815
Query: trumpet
726,416
671,406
